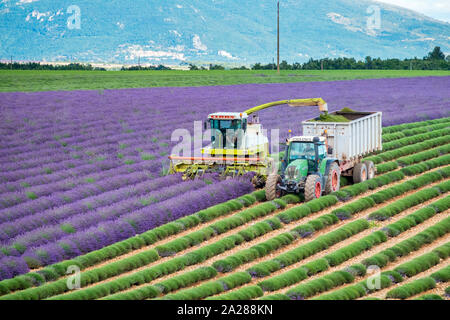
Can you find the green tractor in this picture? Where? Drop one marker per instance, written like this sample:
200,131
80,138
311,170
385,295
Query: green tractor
306,168
314,163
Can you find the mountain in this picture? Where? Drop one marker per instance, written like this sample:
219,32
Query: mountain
221,31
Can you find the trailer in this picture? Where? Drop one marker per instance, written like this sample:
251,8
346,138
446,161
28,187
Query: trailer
314,162
349,141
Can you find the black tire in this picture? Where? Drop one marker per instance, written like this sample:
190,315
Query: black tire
359,173
272,192
333,179
370,169
313,182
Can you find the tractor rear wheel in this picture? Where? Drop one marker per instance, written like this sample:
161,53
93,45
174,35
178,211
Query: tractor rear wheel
359,173
333,179
370,169
313,187
272,192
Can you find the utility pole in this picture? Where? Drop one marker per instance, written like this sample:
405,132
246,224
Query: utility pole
321,65
278,39
11,63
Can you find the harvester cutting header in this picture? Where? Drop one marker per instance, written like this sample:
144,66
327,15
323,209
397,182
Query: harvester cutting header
238,144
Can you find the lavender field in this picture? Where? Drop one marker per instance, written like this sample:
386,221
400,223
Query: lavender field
83,169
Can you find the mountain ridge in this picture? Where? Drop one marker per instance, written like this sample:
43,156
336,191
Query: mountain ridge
181,32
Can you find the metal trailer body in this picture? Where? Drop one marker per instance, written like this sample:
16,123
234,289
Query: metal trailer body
350,141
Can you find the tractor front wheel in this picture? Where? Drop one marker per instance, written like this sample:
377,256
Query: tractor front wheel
272,192
313,187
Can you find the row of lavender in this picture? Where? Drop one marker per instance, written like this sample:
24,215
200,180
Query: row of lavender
62,145
82,169
102,132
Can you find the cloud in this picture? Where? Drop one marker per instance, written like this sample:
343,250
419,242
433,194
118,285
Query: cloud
175,32
197,43
25,1
178,48
225,54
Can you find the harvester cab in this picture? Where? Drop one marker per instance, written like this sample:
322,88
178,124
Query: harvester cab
235,135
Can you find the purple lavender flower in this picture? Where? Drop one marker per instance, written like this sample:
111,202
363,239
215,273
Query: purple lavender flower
76,176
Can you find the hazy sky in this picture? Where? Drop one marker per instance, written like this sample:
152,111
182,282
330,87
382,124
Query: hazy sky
438,9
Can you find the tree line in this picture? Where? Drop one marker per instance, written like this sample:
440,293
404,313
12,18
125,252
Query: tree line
43,66
435,60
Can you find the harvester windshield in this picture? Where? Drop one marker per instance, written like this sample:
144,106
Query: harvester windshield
226,124
227,133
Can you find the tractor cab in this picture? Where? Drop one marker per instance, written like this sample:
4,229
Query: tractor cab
309,150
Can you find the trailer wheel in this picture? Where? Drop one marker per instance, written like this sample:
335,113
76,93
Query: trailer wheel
272,192
313,187
370,169
359,173
333,179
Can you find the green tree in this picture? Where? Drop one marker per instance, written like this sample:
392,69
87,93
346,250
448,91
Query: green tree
369,62
284,65
436,54
216,67
192,67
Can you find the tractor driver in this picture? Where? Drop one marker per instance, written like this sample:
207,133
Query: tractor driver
309,151
232,136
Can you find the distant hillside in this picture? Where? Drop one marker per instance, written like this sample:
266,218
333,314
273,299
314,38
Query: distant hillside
235,32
